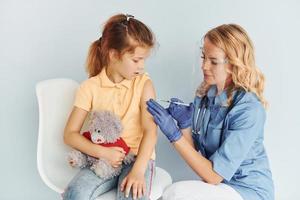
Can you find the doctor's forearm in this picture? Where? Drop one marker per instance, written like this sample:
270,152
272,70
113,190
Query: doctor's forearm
202,166
187,134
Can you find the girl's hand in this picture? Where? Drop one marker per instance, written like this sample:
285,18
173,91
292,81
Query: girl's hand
114,155
136,181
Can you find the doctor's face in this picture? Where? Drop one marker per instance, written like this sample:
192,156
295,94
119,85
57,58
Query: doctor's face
214,65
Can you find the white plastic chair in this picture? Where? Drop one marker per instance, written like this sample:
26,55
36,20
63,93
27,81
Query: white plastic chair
55,100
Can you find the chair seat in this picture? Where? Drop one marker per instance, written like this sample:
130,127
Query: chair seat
161,180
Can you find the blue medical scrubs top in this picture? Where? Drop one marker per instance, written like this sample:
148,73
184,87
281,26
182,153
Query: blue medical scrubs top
232,139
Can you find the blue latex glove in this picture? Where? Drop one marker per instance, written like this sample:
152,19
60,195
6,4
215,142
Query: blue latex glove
164,120
181,113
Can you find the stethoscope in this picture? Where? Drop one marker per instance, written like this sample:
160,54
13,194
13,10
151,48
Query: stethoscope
198,124
200,116
202,109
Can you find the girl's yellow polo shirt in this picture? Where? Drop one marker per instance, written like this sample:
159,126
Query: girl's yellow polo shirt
99,93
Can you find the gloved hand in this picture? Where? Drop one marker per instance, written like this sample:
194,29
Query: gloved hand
164,120
181,113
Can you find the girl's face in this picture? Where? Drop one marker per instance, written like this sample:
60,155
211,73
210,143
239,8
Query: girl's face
214,65
131,64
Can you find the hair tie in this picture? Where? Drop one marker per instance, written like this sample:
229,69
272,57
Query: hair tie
128,17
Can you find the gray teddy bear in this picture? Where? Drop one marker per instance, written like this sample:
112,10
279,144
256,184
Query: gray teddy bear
104,129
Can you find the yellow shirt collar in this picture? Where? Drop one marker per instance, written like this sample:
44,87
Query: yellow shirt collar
106,82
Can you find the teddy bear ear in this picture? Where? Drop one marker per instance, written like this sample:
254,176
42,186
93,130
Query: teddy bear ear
118,124
92,115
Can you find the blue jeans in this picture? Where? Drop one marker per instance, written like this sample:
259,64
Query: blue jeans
86,185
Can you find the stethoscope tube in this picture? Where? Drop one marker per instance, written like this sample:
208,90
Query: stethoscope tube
200,111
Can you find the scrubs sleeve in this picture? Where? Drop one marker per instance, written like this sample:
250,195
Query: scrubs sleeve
245,124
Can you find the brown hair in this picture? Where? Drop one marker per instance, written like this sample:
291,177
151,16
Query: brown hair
122,33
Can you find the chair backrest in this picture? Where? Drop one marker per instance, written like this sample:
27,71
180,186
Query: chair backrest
55,100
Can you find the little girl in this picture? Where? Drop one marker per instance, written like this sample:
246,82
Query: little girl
115,65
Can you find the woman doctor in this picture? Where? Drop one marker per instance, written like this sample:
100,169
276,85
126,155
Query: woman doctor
220,135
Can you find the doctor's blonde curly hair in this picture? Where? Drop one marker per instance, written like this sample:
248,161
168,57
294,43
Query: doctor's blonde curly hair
238,48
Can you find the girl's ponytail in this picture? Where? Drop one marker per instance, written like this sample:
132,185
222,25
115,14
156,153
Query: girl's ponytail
93,61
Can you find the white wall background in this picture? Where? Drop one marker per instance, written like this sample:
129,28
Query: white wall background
49,39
